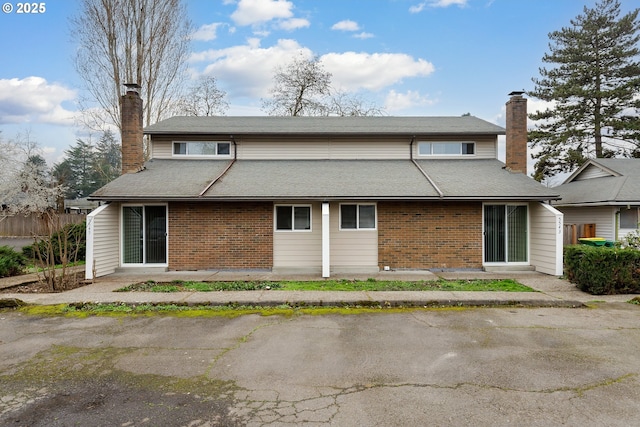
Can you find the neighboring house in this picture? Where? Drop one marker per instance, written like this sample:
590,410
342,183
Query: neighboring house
604,192
80,206
322,195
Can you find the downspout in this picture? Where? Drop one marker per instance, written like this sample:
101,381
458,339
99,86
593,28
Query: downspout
216,179
433,184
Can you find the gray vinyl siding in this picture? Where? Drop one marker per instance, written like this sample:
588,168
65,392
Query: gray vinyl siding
545,238
602,216
299,250
319,148
591,172
352,249
104,223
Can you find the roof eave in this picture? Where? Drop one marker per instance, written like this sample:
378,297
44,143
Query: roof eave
319,198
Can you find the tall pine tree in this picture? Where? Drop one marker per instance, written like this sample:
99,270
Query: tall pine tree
593,89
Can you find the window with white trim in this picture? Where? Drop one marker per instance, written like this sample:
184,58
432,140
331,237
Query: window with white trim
629,218
201,148
293,218
446,148
358,216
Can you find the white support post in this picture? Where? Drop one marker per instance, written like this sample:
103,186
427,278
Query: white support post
326,248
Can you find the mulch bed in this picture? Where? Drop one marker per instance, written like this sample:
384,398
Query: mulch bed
41,287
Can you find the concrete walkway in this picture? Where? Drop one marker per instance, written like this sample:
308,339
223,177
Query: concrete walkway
552,291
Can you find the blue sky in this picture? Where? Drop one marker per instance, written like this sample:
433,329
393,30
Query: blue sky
413,57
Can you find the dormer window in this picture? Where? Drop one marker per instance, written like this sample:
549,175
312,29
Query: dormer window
446,148
202,148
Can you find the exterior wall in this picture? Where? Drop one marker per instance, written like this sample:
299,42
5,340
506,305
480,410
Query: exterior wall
602,216
422,235
220,235
485,147
299,250
591,172
545,238
103,241
351,250
325,148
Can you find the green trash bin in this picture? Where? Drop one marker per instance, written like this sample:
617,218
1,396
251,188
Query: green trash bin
593,241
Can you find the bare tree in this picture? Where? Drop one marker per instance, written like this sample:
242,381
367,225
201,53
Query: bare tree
300,89
303,88
204,98
344,104
131,41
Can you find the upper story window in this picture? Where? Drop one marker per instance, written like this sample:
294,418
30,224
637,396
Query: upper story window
201,148
446,148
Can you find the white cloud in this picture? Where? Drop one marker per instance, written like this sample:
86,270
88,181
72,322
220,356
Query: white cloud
34,100
436,3
363,35
346,25
294,24
247,70
352,71
251,12
417,8
396,101
206,32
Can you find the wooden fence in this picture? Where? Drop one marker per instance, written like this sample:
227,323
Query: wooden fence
33,225
573,232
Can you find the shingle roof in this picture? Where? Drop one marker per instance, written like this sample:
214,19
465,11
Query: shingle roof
379,125
323,180
608,190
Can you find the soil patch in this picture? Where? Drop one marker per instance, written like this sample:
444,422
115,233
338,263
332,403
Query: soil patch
42,287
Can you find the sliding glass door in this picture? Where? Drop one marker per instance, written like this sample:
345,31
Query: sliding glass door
505,234
144,234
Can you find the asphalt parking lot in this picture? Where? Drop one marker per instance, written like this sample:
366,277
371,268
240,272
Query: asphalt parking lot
455,366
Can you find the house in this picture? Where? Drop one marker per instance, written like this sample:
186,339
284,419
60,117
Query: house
603,192
324,195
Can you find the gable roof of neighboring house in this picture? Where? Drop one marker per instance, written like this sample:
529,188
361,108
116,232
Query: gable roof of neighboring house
601,182
324,180
366,125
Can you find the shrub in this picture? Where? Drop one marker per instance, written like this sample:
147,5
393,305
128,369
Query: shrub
12,263
631,240
602,270
73,234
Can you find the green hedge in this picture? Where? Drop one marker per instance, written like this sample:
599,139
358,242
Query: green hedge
603,271
12,263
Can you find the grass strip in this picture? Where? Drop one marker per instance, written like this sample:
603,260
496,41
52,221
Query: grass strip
504,285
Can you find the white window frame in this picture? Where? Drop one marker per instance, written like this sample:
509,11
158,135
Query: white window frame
458,154
633,211
528,232
187,154
144,250
357,227
293,218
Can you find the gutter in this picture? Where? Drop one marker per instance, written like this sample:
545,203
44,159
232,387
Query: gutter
216,179
424,173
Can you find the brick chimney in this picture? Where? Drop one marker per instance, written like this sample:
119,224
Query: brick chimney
516,145
131,133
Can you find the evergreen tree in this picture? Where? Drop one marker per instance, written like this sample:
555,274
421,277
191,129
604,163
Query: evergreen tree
80,162
108,160
592,89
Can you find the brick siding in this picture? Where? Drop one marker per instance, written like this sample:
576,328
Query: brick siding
132,137
421,235
220,236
